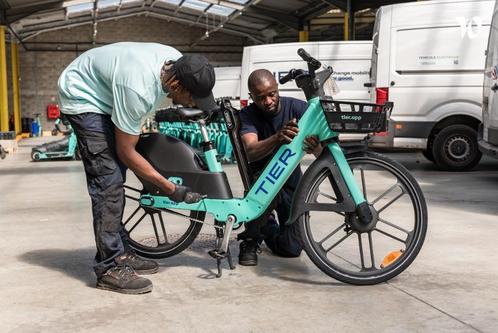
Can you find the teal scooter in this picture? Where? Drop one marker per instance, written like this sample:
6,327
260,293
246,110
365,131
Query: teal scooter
65,148
3,153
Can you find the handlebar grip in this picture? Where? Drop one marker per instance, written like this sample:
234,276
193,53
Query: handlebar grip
309,59
287,77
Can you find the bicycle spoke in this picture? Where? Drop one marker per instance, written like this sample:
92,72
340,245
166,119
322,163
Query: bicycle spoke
391,236
163,228
132,198
132,215
393,225
391,202
361,251
132,188
155,229
328,196
339,241
139,220
372,256
385,193
332,233
363,185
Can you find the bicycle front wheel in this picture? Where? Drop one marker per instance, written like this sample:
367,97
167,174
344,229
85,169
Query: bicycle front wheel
353,253
158,234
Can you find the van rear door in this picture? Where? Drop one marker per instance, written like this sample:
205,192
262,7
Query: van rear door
490,98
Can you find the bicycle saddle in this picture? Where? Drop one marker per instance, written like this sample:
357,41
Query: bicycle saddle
178,114
190,113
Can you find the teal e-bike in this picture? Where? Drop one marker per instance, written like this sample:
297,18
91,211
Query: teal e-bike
362,217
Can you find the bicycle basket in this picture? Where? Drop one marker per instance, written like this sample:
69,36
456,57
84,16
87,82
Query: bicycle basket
354,117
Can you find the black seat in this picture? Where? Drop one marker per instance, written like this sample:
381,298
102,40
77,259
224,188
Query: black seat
173,114
190,113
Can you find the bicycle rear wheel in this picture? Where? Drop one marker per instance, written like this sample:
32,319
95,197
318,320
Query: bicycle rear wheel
158,234
350,252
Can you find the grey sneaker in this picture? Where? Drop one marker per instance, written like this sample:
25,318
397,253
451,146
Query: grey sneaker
139,265
123,279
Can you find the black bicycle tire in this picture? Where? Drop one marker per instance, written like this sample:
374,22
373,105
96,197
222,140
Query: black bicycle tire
392,270
178,246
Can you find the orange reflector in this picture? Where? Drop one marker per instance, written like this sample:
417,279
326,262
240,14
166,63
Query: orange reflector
399,126
390,258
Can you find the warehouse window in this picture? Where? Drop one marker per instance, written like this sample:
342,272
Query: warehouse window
220,10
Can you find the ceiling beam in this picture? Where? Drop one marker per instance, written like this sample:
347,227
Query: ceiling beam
34,30
317,10
227,20
341,4
13,14
274,16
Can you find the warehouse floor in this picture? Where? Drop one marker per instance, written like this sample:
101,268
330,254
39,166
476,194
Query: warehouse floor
48,283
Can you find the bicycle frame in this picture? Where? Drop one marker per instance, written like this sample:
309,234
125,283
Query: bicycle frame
274,176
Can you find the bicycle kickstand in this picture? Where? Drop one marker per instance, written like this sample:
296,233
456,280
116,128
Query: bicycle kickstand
222,250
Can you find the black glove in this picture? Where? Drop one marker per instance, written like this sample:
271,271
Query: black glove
184,193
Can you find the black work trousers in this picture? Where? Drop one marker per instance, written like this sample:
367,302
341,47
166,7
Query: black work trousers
105,176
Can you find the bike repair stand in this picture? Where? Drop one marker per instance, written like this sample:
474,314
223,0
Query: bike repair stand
222,250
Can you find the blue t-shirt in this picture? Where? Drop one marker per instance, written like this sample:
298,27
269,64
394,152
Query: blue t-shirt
121,80
253,120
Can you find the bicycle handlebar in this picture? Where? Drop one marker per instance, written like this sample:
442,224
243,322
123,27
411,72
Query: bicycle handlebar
288,77
312,62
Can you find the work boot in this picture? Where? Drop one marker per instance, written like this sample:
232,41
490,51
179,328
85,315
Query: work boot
139,265
123,279
248,254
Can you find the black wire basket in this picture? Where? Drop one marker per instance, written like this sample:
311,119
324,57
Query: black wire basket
354,117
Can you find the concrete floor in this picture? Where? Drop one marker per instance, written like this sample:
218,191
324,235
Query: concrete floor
48,284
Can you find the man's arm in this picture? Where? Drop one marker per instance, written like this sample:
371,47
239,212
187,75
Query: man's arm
125,148
257,150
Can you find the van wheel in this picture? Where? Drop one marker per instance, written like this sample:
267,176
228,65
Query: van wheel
455,148
428,152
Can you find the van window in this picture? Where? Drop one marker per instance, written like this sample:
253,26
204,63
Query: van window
375,40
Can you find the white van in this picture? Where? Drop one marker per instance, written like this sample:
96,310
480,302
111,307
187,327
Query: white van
228,84
428,58
350,61
488,134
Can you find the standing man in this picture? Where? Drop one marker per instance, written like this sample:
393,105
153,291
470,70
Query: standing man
268,123
105,93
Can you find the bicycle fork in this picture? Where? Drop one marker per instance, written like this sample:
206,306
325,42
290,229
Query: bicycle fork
362,208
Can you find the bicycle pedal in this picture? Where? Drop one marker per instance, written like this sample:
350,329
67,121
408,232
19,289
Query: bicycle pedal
216,254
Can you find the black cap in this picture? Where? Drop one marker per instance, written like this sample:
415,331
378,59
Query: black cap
196,74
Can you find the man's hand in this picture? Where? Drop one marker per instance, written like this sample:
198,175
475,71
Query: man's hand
184,193
312,145
288,132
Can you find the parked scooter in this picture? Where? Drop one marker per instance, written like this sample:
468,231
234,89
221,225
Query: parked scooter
3,152
65,148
